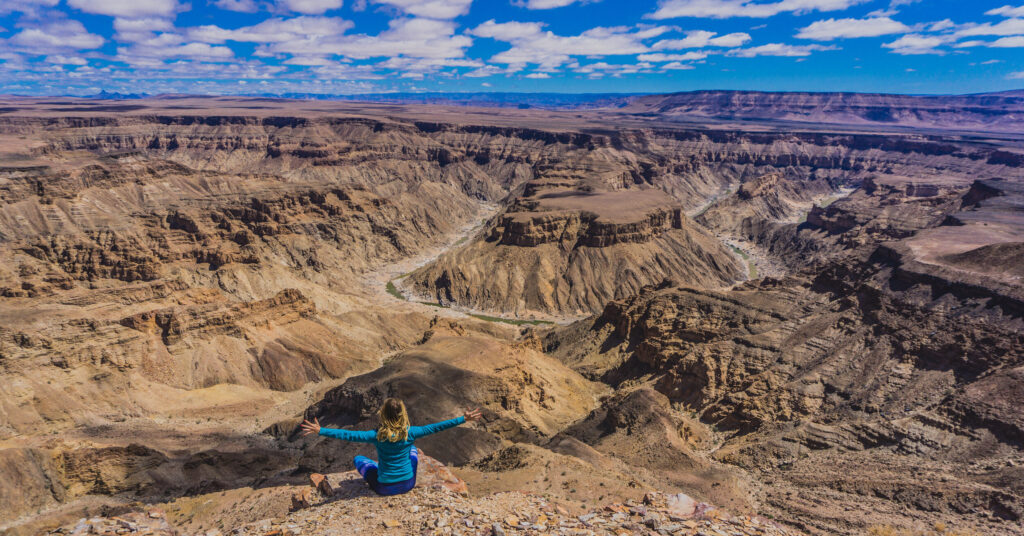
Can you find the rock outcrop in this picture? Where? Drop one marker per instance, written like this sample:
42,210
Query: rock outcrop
762,201
833,382
434,507
567,251
525,396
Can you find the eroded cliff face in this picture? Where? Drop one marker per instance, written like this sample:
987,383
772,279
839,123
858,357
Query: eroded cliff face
582,228
852,388
764,200
565,251
179,287
589,229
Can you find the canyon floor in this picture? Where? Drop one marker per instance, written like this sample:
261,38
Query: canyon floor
805,329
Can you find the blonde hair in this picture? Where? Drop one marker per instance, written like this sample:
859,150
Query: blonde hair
394,421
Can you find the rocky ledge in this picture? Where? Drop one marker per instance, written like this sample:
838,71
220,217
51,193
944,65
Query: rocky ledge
581,228
441,504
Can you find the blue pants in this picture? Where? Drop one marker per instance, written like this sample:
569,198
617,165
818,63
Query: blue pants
368,468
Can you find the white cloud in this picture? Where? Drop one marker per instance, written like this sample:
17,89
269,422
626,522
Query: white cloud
150,55
309,39
412,37
25,6
730,40
703,38
538,75
647,32
241,6
831,29
547,4
485,84
614,69
311,7
915,44
507,31
659,57
1019,75
676,66
938,26
308,61
1007,11
425,65
149,49
66,60
532,45
1016,41
990,62
1013,41
1006,27
435,9
723,9
486,70
275,30
128,8
345,71
778,49
55,36
135,30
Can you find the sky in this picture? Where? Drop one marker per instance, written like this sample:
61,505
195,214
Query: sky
80,47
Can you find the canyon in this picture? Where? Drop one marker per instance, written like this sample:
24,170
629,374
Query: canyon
821,326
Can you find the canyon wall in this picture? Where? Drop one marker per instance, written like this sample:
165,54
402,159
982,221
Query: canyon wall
178,287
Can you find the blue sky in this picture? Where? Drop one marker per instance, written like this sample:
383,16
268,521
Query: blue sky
357,46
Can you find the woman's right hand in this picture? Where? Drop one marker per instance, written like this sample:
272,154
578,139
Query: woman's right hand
472,415
311,427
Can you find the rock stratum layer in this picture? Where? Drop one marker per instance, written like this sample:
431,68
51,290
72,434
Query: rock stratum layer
184,279
563,250
854,388
984,112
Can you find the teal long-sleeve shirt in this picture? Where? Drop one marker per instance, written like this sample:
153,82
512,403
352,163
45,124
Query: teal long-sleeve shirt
392,458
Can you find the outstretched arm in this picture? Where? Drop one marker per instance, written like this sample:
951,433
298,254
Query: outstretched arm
356,436
416,432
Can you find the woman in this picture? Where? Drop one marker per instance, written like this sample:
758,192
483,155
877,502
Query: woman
396,471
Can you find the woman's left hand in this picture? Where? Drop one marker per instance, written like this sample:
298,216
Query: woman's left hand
472,415
311,427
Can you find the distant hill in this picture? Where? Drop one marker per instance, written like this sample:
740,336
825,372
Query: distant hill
499,99
997,112
1003,111
104,94
986,111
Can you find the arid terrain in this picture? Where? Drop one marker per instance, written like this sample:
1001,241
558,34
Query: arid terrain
817,329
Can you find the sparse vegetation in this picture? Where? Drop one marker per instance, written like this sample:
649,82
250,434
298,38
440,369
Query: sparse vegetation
513,321
828,201
750,264
393,290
